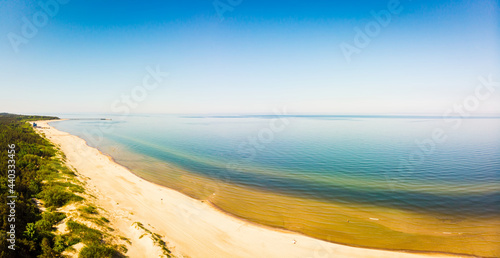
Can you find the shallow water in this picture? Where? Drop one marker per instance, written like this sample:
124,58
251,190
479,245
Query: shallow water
380,182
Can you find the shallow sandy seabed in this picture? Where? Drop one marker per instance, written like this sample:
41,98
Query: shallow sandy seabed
191,227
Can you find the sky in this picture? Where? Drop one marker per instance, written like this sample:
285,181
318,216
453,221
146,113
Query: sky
242,56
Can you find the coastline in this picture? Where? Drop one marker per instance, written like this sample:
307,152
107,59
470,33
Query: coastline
192,227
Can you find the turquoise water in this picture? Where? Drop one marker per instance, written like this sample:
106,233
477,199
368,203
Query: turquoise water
405,183
358,160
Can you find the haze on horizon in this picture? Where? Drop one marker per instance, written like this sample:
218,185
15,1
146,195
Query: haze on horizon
249,56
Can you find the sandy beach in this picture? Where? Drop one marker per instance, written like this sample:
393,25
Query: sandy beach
190,227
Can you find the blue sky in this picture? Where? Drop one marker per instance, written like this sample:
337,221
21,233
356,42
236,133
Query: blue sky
258,56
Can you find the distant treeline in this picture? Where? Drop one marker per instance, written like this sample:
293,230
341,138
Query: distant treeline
5,117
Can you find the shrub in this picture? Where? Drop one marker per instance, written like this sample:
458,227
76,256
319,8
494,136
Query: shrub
53,217
88,235
59,244
43,226
56,196
72,240
30,231
47,251
89,209
93,251
34,187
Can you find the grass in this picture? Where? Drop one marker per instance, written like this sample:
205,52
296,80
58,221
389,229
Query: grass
58,186
126,240
87,235
88,209
156,239
93,239
42,174
70,186
59,190
49,219
55,196
94,250
56,191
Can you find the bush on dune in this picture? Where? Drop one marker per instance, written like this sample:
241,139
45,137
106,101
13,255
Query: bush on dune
88,235
58,197
92,251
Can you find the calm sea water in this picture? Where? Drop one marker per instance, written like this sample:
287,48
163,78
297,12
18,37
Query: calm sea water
333,168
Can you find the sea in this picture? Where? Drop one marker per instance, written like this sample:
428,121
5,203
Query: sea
398,182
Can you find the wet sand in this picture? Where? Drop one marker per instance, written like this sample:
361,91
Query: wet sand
193,227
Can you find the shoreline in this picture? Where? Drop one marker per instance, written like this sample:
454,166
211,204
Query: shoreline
193,227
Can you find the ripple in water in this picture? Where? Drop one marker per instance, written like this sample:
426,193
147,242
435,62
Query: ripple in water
373,182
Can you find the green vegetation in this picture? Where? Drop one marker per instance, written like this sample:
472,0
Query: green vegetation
57,197
32,152
92,238
24,118
156,239
103,219
92,251
88,209
86,234
41,174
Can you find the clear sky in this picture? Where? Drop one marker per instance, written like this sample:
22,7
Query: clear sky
250,57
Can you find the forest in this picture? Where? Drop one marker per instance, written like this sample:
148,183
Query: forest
34,184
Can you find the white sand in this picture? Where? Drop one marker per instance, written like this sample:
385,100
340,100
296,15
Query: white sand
192,227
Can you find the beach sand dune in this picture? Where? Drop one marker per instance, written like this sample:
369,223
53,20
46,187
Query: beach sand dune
191,227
